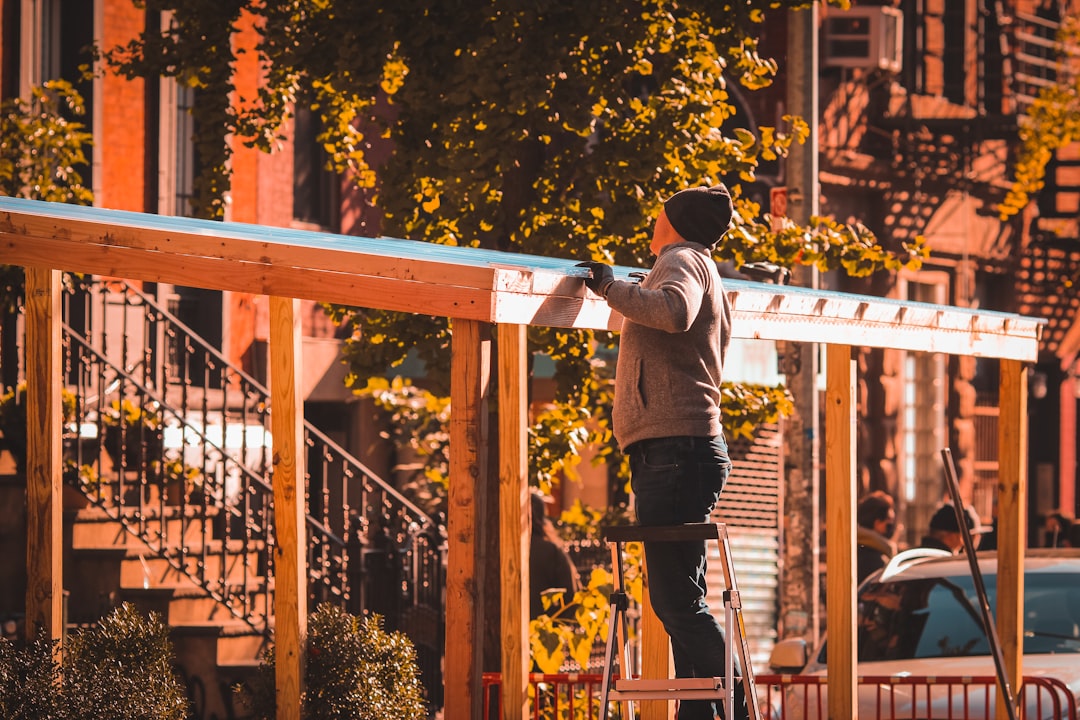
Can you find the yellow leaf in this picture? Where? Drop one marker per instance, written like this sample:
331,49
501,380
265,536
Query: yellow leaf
546,645
580,649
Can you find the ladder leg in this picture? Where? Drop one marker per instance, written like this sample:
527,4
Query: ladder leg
735,604
729,658
609,656
618,635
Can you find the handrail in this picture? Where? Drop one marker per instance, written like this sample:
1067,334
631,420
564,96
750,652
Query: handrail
265,399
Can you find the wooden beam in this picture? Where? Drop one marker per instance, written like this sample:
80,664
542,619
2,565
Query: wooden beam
261,278
515,512
290,552
840,484
470,388
44,438
1012,521
463,282
203,240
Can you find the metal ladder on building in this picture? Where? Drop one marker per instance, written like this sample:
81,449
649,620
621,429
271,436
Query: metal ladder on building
630,690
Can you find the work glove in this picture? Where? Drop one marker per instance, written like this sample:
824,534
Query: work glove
601,278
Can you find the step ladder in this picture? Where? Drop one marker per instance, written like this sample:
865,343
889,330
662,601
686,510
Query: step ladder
630,690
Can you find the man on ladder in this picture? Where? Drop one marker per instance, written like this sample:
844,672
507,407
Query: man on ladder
666,416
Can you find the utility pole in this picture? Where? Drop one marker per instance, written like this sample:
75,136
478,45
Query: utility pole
800,601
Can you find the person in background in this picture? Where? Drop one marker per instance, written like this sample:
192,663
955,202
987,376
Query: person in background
1058,528
944,532
550,566
876,518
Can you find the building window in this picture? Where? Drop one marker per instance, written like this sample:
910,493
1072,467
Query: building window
187,157
924,425
57,37
315,196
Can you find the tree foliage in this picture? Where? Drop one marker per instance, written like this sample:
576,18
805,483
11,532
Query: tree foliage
547,128
44,145
42,150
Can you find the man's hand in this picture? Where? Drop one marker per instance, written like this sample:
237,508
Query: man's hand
602,277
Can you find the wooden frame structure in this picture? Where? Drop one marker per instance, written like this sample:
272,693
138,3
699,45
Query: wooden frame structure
476,288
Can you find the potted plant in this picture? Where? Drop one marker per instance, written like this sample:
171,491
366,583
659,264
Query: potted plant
182,483
132,433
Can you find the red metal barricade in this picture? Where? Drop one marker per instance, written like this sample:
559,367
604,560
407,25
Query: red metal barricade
576,696
563,696
887,697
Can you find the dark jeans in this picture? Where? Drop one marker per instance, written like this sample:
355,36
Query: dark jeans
678,480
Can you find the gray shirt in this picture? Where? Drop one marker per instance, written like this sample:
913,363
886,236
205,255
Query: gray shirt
671,351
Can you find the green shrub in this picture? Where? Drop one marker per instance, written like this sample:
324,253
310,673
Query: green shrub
355,670
122,669
30,681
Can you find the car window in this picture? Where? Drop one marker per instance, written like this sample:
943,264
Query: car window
941,617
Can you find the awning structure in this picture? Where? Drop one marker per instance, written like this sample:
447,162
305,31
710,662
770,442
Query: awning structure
475,289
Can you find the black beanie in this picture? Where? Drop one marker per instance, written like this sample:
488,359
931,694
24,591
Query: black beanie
700,214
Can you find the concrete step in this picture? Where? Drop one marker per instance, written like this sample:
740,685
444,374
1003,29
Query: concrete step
222,643
140,568
220,655
94,528
182,605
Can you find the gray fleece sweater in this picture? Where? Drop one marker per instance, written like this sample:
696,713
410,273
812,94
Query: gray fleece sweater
671,351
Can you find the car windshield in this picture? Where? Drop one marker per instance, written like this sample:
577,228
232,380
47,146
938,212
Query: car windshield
941,617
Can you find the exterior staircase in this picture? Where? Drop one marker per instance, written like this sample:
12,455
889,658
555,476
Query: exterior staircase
167,459
107,565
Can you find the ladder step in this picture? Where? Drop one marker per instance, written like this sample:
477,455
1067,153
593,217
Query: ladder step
637,695
669,684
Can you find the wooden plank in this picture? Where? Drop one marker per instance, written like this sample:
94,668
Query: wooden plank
44,433
515,511
470,387
290,552
840,484
1012,521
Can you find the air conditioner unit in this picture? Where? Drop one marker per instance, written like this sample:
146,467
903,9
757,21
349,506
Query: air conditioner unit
865,37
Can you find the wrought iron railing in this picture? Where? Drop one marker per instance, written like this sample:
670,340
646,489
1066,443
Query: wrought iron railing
172,440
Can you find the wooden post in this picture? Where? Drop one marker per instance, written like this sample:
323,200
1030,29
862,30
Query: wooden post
470,385
290,564
840,483
515,511
656,660
44,436
1012,521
